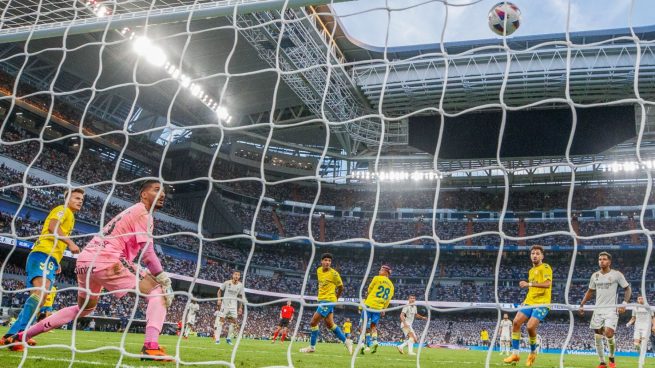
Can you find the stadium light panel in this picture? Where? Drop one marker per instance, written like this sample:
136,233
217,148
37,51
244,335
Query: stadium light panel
102,11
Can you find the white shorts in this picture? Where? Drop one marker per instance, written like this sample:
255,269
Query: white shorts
641,333
191,320
607,319
505,337
407,330
228,313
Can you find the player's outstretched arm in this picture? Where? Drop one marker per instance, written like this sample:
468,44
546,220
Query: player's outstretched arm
338,291
585,299
54,227
241,296
631,321
153,264
150,259
627,295
402,318
219,301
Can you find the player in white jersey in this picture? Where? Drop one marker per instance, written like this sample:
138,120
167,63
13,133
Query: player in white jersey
506,335
407,316
190,318
229,307
642,318
605,284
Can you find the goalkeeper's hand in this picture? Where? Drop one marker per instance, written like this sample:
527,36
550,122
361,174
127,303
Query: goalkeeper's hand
165,282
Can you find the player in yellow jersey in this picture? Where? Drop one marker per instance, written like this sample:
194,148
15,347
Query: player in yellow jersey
535,307
347,328
43,261
330,288
379,294
46,309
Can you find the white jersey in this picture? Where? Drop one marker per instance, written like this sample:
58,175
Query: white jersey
643,315
410,313
606,287
191,314
505,327
231,293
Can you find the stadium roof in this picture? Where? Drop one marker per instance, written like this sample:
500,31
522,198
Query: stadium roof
354,91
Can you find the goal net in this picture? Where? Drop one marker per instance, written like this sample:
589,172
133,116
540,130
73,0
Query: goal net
403,138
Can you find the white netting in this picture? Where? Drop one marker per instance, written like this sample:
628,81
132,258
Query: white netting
279,137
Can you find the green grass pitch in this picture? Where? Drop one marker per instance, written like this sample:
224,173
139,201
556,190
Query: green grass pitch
253,353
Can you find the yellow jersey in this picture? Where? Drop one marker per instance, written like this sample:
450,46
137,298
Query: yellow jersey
484,335
328,281
347,326
536,295
45,243
50,299
380,292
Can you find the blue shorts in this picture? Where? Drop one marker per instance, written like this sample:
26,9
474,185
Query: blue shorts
371,318
45,309
39,265
324,310
347,335
539,312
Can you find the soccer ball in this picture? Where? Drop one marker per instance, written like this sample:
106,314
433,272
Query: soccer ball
504,18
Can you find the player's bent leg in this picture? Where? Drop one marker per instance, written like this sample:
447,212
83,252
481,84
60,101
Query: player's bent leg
521,317
31,305
155,317
329,322
537,316
285,331
410,345
219,329
611,342
313,326
230,330
62,317
120,279
374,338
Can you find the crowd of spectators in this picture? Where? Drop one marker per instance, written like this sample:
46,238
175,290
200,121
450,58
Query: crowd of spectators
89,169
282,269
445,328
589,231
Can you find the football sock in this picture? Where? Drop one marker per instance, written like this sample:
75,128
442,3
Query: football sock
230,331
516,342
611,342
24,317
600,349
338,333
219,330
314,336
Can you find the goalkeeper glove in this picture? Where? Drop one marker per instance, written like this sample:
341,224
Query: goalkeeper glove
165,283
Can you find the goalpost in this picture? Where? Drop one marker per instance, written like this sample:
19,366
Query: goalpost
60,63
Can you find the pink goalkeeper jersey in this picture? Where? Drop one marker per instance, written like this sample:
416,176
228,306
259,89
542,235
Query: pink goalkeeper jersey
122,238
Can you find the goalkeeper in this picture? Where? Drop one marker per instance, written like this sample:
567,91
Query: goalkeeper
108,261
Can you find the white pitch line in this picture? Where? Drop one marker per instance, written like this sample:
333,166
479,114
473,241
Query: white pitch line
262,352
89,362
